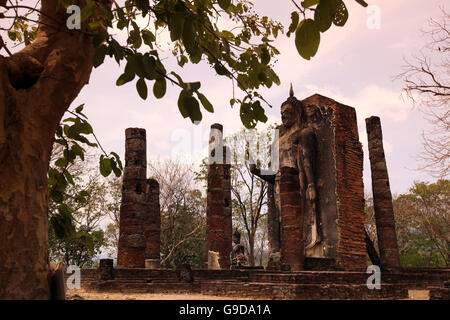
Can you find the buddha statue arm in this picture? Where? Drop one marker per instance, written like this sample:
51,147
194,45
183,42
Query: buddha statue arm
270,178
308,155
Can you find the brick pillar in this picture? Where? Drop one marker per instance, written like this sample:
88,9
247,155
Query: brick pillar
292,244
152,229
133,211
218,208
382,198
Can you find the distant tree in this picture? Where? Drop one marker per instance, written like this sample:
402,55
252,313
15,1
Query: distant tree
183,214
249,191
114,199
427,84
426,209
75,233
421,220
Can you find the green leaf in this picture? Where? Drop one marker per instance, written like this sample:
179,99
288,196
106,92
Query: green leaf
265,55
117,159
69,177
12,35
87,11
124,78
188,38
61,162
175,22
362,2
224,4
205,103
135,39
159,88
144,6
79,151
62,222
116,49
75,130
307,39
149,64
189,106
323,16
105,166
182,104
141,88
341,14
294,23
220,69
79,108
309,3
115,169
148,37
99,55
251,113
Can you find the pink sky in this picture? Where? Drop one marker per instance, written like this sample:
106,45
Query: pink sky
354,65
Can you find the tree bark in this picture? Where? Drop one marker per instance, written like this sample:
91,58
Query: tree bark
37,86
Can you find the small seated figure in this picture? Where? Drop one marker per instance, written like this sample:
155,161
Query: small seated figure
237,255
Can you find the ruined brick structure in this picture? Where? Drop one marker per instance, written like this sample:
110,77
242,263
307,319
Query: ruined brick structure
218,208
340,188
321,157
139,210
382,197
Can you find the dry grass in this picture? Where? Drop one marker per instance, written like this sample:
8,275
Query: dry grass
91,295
419,294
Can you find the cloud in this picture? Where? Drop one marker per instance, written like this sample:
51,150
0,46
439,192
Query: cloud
371,100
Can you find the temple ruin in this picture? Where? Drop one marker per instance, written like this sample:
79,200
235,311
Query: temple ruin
315,203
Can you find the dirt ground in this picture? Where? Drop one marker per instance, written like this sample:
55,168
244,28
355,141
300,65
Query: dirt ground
86,295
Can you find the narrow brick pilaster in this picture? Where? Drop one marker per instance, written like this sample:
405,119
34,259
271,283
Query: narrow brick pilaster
292,242
382,197
152,229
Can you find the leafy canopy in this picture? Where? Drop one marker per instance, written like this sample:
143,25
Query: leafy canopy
243,52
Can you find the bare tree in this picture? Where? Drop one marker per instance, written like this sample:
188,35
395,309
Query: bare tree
427,83
183,212
248,191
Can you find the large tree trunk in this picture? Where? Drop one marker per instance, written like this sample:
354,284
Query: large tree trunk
37,85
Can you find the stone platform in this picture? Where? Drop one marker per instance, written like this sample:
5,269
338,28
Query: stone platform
258,284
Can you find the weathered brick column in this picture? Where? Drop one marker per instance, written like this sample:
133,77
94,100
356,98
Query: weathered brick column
133,211
382,197
152,229
292,242
218,208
